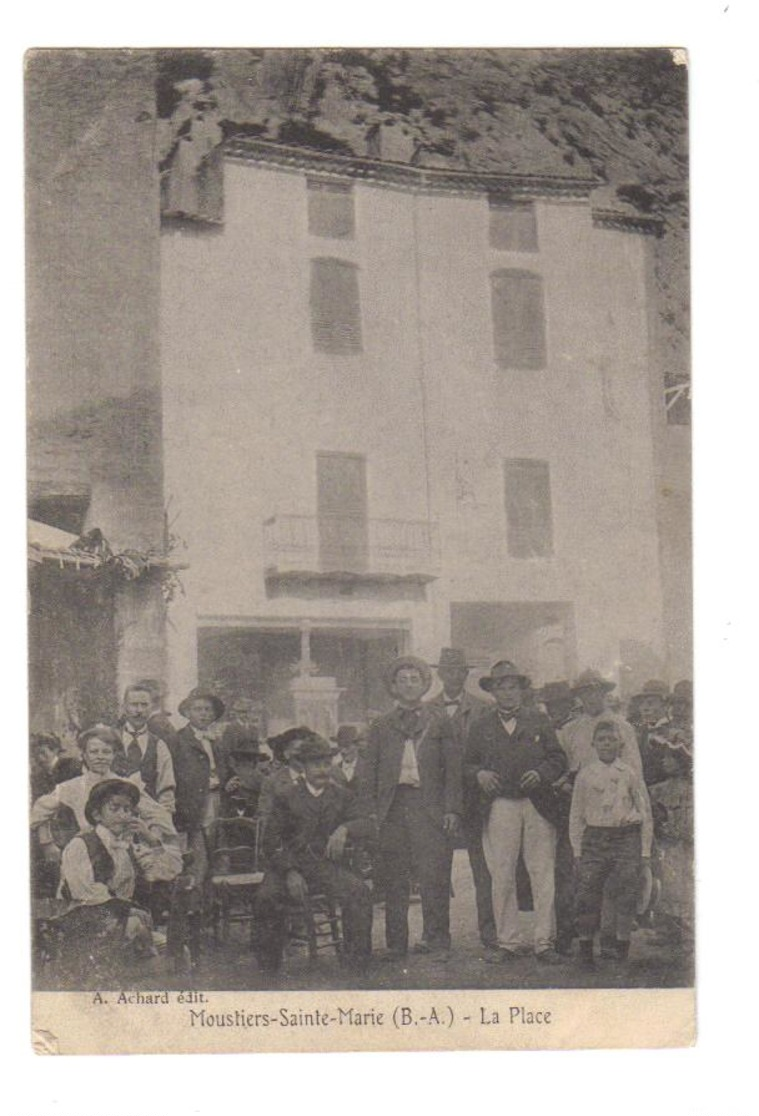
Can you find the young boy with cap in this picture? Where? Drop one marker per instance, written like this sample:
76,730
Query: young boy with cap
611,831
304,843
201,770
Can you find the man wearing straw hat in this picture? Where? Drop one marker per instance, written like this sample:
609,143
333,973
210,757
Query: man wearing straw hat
513,760
410,781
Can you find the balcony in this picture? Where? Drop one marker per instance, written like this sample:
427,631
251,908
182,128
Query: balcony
350,550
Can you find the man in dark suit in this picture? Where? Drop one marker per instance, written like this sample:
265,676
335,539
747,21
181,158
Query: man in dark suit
513,759
201,770
463,709
411,780
304,842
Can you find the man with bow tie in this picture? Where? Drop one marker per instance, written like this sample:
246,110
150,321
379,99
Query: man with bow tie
143,751
410,780
464,709
513,759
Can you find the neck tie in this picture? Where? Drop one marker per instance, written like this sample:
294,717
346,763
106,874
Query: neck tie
134,752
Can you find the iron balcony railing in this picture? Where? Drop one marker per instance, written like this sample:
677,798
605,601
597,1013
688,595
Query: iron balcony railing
351,545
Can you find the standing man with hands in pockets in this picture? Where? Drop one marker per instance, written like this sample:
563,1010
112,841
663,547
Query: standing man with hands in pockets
513,758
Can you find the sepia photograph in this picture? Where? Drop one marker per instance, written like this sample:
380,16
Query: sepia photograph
359,544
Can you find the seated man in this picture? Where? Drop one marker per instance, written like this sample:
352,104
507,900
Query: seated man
101,868
304,843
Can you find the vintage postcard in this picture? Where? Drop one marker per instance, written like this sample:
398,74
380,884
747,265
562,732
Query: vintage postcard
361,705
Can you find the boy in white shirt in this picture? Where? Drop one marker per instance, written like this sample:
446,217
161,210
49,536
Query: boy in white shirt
611,831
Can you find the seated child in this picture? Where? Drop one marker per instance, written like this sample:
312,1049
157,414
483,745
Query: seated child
611,831
103,865
304,843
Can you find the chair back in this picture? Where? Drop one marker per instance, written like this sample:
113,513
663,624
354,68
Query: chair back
234,845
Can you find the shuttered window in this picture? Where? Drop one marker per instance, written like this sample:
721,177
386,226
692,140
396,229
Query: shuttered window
529,526
330,208
519,333
513,226
335,306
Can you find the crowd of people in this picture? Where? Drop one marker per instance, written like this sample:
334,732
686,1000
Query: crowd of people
564,805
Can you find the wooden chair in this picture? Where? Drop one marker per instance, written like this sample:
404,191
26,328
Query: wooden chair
233,846
315,924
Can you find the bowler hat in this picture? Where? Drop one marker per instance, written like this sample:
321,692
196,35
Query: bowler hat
347,735
315,747
107,789
500,670
199,694
653,688
593,680
103,732
452,657
407,661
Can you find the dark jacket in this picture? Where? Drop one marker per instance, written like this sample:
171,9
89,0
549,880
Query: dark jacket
273,787
533,746
301,824
470,710
192,772
437,755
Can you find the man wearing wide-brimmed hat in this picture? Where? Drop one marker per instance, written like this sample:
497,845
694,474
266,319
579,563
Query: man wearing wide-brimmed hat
201,769
410,781
512,760
576,737
463,708
305,841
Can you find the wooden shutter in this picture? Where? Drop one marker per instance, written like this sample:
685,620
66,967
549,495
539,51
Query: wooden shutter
335,307
513,226
330,208
342,512
529,527
519,335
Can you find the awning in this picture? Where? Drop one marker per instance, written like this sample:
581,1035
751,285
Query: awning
49,544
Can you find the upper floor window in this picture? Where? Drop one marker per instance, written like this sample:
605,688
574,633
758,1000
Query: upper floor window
529,521
513,226
330,208
335,306
519,332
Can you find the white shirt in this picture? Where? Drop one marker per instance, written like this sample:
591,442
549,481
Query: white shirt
609,795
409,773
205,741
156,863
75,792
